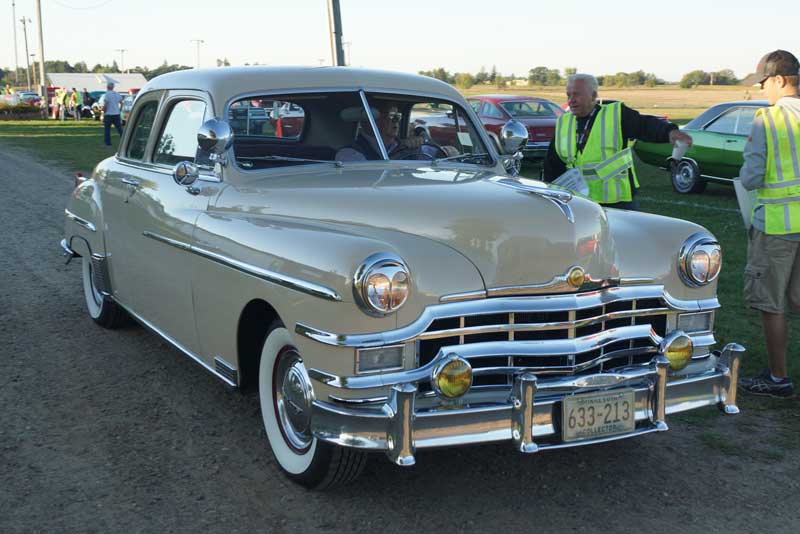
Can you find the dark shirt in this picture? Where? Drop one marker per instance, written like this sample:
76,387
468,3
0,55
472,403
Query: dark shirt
634,126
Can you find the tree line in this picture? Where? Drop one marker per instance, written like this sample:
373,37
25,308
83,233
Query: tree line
544,76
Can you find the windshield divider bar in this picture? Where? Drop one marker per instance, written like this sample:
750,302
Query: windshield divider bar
374,125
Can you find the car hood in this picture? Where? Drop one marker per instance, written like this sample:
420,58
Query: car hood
512,237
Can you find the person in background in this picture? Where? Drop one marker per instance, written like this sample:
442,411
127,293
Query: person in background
111,110
77,104
61,100
594,138
87,98
771,168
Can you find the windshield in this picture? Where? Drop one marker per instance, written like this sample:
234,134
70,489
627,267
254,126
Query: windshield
335,127
531,108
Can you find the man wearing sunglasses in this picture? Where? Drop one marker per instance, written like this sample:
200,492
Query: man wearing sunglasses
387,119
772,169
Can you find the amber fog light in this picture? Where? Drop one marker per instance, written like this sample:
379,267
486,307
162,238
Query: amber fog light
678,348
452,377
576,277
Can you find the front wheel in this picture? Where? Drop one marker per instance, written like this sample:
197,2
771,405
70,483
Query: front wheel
686,177
102,308
286,396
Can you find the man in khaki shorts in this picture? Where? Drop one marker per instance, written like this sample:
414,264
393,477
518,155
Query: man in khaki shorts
772,169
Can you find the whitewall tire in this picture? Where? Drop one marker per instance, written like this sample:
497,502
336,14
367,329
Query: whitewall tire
285,396
102,308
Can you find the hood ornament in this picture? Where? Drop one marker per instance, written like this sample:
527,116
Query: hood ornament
558,197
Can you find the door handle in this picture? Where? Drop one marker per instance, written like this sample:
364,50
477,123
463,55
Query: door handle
731,140
130,182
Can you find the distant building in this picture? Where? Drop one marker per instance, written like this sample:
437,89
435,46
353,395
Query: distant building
97,81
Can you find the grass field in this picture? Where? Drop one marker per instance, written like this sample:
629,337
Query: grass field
78,146
680,105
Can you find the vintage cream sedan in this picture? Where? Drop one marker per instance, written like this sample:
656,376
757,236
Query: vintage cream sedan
386,292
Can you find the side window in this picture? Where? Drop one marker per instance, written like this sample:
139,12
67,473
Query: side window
725,124
746,116
475,104
141,130
267,118
178,141
491,111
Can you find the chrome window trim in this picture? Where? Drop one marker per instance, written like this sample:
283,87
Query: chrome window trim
264,274
160,169
80,220
571,301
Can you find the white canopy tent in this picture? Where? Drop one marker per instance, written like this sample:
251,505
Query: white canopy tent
97,81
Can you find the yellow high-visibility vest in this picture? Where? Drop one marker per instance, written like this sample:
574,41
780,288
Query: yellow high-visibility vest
780,194
603,161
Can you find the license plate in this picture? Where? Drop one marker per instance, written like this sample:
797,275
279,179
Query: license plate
596,415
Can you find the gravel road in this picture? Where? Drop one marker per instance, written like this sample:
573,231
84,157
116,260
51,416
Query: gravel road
105,431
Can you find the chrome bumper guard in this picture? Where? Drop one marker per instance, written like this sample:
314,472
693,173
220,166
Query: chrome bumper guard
529,415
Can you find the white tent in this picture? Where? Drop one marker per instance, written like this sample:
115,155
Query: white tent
97,81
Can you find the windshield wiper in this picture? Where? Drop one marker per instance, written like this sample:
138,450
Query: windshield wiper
289,159
463,157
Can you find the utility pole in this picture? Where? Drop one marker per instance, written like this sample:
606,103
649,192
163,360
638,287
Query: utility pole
122,58
42,79
198,42
335,25
16,56
24,22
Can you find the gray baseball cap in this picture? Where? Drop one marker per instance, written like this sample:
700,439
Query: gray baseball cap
777,63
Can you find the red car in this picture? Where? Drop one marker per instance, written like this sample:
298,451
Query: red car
537,114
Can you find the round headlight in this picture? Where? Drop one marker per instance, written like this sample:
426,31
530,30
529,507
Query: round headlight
452,377
678,348
381,284
699,260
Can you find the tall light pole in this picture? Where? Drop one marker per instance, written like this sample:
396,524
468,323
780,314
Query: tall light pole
122,58
198,42
16,60
24,22
33,58
348,58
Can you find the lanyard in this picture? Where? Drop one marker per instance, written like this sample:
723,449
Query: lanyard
581,137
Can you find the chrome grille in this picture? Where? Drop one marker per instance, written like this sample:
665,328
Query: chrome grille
519,326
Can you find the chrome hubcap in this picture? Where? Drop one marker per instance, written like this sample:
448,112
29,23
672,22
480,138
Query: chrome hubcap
293,400
684,175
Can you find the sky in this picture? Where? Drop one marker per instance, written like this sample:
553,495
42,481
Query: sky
666,38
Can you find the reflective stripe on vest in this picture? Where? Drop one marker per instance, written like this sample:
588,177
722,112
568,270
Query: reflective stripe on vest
780,194
603,162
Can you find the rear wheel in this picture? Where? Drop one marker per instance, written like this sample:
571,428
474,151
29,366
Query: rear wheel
102,308
286,396
686,177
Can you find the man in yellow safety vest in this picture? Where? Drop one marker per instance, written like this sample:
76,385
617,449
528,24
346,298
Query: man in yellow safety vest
594,138
771,168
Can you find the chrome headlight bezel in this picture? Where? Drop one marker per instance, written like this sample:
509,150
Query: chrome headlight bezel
386,264
691,250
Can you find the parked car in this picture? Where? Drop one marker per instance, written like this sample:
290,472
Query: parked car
719,135
29,97
391,305
537,114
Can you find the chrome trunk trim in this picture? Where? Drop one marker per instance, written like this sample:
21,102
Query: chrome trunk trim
253,270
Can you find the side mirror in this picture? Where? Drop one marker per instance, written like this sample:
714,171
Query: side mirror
215,136
513,137
185,173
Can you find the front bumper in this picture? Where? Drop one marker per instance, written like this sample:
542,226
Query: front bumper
528,415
